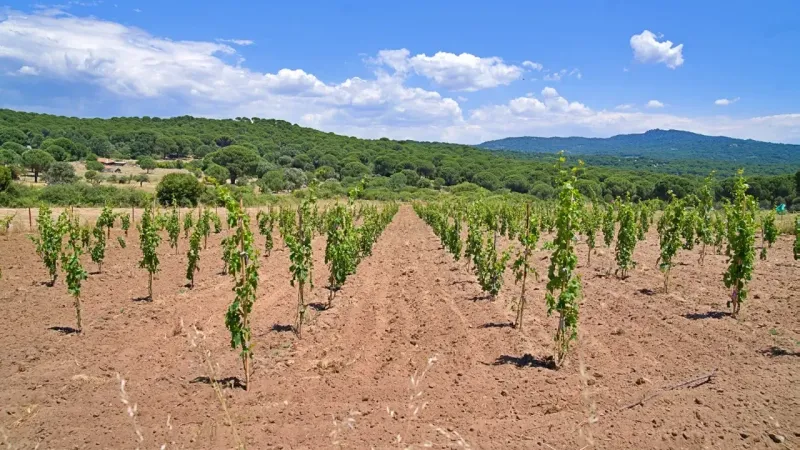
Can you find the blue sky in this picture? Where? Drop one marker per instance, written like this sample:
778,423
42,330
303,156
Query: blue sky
463,71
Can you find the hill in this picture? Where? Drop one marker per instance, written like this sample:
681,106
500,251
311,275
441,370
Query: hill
663,145
278,156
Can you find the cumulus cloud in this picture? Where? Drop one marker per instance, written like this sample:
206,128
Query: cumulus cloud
726,101
132,63
240,42
131,66
647,49
464,72
533,65
625,107
654,104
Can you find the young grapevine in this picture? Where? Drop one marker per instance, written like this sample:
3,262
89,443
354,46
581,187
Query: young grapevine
74,271
564,285
98,251
148,242
769,233
741,229
626,239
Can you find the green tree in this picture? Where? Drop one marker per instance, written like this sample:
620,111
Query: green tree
147,164
58,153
9,158
37,161
239,160
272,181
60,173
8,134
217,172
92,177
141,178
182,188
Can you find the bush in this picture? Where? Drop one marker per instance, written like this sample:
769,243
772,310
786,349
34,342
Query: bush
182,187
95,165
272,181
60,173
75,194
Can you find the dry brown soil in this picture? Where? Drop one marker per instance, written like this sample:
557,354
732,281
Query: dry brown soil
356,378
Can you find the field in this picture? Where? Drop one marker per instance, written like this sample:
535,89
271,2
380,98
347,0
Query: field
411,355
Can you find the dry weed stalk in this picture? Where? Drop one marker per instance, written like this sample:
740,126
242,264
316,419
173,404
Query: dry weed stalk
132,410
416,406
197,340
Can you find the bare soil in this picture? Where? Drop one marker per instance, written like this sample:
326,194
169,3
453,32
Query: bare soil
356,378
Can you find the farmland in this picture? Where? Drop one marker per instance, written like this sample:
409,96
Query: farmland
412,352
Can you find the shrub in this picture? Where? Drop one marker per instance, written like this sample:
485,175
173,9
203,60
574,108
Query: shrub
95,165
180,187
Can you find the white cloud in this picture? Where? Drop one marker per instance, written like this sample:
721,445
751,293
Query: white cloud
137,10
625,107
533,65
654,104
464,72
563,73
647,49
726,101
28,70
241,42
133,67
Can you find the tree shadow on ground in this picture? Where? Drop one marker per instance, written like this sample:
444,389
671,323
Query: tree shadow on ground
707,315
646,291
481,297
526,360
777,351
281,328
143,299
497,325
230,382
319,306
65,330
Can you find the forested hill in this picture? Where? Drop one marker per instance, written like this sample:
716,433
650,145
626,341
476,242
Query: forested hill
665,145
277,156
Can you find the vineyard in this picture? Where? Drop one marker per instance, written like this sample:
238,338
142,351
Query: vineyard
495,323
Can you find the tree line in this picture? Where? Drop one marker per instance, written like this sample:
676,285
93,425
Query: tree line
276,156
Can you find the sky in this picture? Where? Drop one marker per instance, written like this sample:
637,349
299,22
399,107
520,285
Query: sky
465,72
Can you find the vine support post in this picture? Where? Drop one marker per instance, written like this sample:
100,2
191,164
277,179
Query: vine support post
30,220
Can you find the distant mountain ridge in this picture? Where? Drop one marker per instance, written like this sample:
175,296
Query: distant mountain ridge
666,145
